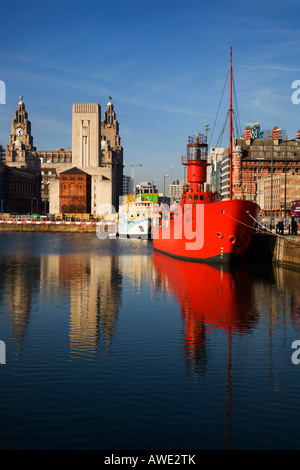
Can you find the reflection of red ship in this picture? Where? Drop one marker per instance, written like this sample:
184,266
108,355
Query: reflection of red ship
202,228
210,298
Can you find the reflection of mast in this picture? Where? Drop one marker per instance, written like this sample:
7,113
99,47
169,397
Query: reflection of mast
195,342
229,391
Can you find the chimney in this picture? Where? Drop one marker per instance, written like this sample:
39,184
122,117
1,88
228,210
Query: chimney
247,135
298,134
275,135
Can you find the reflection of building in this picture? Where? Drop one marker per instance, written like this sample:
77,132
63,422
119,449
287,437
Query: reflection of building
75,191
94,286
137,268
95,291
22,273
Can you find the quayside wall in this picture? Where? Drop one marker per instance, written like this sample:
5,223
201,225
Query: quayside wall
88,227
282,251
287,252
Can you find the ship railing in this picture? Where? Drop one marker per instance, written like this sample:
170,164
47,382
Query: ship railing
197,139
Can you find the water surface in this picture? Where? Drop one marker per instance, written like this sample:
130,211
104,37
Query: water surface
110,345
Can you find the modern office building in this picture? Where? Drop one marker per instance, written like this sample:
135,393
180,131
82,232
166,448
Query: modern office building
127,185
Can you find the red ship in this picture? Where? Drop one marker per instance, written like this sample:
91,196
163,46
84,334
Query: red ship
202,228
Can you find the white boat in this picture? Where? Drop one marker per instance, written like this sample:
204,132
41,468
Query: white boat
135,216
107,227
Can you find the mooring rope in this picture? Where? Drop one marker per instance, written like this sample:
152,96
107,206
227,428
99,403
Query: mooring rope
264,229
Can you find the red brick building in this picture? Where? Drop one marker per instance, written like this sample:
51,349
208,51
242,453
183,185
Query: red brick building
74,192
255,160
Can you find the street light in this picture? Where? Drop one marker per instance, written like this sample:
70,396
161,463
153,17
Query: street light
132,174
171,168
164,187
154,181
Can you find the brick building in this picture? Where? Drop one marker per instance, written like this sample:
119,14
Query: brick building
256,158
74,192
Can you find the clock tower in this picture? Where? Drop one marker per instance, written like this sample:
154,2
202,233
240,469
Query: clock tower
20,140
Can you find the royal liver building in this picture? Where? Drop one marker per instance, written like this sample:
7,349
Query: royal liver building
96,150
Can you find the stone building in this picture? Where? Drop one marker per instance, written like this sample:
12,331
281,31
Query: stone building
19,190
96,150
21,172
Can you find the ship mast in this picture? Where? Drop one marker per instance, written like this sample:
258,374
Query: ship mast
230,129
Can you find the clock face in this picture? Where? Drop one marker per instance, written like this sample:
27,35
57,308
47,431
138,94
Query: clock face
19,131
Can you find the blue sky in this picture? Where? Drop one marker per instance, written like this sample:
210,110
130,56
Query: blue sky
163,62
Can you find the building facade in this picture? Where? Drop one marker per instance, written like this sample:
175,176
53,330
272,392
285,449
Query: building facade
214,169
175,190
257,160
74,192
19,190
145,188
127,185
276,194
21,173
96,150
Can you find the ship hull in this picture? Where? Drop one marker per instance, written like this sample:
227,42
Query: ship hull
135,229
222,232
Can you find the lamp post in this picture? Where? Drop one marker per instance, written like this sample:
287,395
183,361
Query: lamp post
171,168
164,187
154,181
132,173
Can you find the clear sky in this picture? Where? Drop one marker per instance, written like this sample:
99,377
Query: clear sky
164,62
